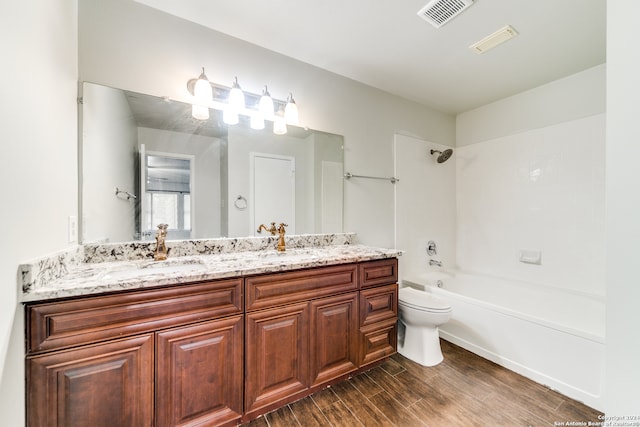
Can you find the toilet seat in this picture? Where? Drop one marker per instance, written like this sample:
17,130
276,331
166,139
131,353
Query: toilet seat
421,300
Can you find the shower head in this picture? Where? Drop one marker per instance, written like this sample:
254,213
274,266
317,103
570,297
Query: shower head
443,156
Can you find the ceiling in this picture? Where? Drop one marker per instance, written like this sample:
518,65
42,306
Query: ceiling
385,44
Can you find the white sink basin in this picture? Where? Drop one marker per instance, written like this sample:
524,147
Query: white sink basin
152,269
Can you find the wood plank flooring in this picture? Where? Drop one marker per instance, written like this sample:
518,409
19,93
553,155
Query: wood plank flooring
464,390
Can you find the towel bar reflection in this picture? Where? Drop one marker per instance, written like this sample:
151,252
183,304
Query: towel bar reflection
125,193
392,179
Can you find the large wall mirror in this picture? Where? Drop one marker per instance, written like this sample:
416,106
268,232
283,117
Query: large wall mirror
146,161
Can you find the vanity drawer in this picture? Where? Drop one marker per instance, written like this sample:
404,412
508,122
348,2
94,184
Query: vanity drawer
269,290
378,341
63,324
377,304
379,272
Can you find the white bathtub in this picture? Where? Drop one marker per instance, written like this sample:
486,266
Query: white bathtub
553,336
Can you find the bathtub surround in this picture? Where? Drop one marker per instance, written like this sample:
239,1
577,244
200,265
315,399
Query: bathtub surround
424,204
530,176
539,191
537,187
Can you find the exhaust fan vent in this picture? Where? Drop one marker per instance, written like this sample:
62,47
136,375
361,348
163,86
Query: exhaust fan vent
439,12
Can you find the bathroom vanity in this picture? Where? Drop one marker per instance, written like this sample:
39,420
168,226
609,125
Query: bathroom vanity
212,351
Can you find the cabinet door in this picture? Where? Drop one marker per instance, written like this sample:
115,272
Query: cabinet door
277,355
199,374
333,339
106,385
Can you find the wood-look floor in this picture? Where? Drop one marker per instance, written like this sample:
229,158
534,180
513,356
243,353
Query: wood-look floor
464,390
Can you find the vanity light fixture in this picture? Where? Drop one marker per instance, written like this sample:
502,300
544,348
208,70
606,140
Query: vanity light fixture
234,102
203,93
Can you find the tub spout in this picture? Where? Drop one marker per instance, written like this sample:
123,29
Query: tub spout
435,262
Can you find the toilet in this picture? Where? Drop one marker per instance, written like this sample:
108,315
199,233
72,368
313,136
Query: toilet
421,313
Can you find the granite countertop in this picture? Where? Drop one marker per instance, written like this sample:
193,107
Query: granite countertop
90,278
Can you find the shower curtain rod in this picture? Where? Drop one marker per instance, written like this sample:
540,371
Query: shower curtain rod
392,179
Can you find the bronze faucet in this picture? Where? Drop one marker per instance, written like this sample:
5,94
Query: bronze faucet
271,229
281,230
161,251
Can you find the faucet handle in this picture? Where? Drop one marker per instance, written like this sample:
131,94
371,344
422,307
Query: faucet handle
431,248
271,229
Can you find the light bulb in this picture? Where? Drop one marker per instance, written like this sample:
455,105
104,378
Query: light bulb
256,122
199,112
266,104
202,89
203,94
279,126
230,117
236,96
291,111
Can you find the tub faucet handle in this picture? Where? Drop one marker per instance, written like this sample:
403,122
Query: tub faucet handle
436,263
431,248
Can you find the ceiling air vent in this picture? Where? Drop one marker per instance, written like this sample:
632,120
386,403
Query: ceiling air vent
493,40
439,12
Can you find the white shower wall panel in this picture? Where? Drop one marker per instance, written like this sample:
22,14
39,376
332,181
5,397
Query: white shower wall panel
424,204
541,190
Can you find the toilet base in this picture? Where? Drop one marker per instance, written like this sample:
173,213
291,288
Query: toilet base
422,345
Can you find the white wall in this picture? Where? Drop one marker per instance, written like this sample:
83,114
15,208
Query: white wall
623,209
579,95
425,205
158,58
38,163
109,144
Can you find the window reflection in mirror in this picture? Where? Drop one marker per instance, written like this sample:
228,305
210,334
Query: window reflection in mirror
167,195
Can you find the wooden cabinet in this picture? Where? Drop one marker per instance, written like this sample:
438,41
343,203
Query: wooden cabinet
199,372
307,329
211,353
106,385
284,311
277,349
378,323
167,357
333,337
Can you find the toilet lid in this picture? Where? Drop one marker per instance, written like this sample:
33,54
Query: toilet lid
421,300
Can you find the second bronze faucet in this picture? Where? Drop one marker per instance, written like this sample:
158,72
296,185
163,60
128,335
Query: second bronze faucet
280,229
